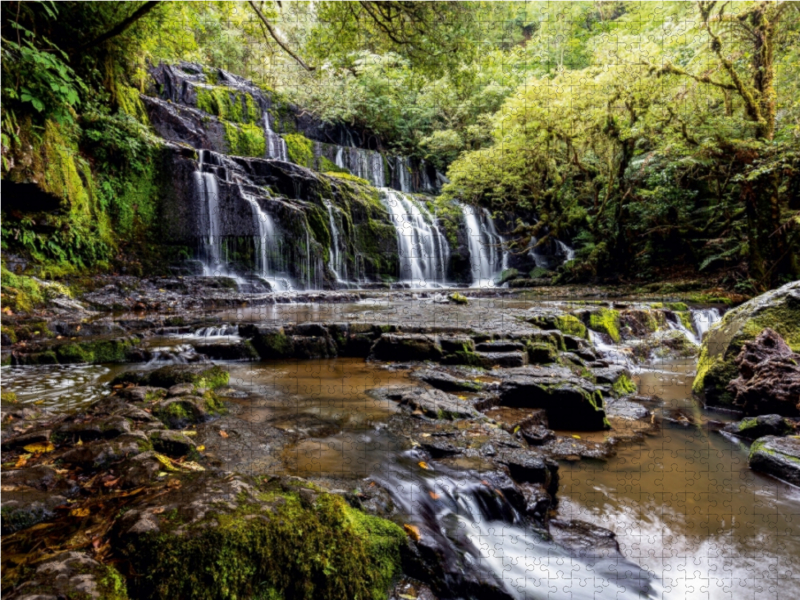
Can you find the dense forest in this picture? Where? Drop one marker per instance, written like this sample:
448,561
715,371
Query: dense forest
315,300
661,141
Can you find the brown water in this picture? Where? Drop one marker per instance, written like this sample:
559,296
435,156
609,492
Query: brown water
686,507
326,401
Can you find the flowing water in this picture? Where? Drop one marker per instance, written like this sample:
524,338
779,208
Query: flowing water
276,145
486,255
422,247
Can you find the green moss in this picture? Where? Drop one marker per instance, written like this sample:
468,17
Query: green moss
538,272
274,344
328,167
623,386
8,397
165,377
318,223
686,319
300,149
347,177
245,139
458,298
541,353
570,324
131,104
605,320
228,104
507,275
96,351
213,405
285,547
677,306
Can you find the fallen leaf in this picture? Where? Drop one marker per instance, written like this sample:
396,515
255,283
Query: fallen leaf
192,466
223,433
577,437
434,495
462,397
412,531
96,542
189,433
111,483
39,402
79,512
158,510
80,442
423,464
200,448
22,460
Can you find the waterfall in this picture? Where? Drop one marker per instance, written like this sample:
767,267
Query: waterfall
486,256
208,196
481,537
423,249
367,164
568,252
703,319
338,254
339,160
268,246
276,145
403,174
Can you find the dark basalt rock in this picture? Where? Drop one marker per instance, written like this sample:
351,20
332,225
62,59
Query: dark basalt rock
405,348
173,443
72,575
433,403
755,427
440,449
526,466
585,539
446,382
769,376
25,507
777,456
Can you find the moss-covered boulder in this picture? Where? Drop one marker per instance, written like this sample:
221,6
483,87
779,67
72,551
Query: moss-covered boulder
604,320
778,309
777,456
242,538
201,376
404,348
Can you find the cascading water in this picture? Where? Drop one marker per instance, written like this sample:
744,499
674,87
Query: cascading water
276,145
268,247
403,174
423,249
338,253
568,252
486,256
703,319
208,196
484,542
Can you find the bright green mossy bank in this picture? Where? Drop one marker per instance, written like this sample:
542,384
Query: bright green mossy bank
605,320
292,546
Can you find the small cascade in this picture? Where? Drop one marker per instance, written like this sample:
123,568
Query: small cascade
276,145
425,181
174,355
613,354
704,319
423,249
483,540
339,159
486,256
338,250
269,247
216,332
367,164
208,196
403,174
567,251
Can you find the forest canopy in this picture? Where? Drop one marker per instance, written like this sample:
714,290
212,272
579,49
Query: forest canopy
660,139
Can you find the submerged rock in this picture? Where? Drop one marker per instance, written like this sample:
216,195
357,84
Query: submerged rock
433,403
404,348
778,309
777,456
446,382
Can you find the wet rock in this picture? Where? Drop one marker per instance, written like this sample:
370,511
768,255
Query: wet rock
139,470
537,435
180,389
172,443
769,376
72,575
117,406
761,426
308,347
230,350
541,354
777,456
570,404
100,454
433,403
29,437
585,539
500,346
181,411
103,427
526,466
778,309
446,382
168,376
408,347
440,449
502,359
610,374
456,343
538,501
39,477
625,409
25,507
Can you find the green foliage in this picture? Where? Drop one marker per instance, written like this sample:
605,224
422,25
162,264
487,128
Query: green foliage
245,139
300,149
228,104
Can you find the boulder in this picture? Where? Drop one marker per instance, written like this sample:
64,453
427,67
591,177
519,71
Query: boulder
72,575
25,507
408,347
446,382
173,443
755,427
777,456
527,466
769,376
432,403
778,309
571,404
501,359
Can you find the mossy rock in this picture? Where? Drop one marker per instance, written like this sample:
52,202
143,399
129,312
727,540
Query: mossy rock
605,320
541,353
623,386
284,543
571,325
778,309
507,275
300,149
457,298
202,376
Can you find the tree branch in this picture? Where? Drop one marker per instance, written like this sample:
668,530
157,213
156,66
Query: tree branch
138,14
275,37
